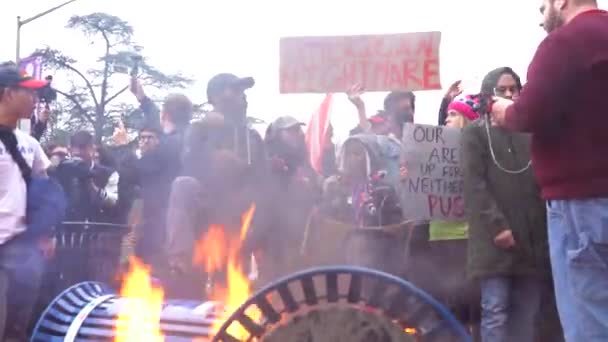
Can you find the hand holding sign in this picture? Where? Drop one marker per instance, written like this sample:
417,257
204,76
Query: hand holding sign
354,95
403,173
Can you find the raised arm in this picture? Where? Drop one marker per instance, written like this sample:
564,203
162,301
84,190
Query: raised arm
453,91
151,111
354,95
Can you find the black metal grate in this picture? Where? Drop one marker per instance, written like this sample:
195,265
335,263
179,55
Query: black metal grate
354,287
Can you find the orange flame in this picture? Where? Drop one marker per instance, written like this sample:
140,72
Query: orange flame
410,331
211,250
218,250
139,317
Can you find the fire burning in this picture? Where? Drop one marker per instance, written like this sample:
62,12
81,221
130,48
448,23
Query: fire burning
219,251
210,251
139,318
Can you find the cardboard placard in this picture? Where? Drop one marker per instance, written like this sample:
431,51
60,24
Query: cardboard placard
406,61
434,185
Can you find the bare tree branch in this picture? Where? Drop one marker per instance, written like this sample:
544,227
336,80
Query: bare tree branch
111,98
87,82
76,103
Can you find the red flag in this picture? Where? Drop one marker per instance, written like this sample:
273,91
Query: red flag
316,135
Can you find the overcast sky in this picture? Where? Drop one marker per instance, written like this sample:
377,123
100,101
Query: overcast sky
202,38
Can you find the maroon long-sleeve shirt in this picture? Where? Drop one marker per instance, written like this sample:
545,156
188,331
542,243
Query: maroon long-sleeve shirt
565,106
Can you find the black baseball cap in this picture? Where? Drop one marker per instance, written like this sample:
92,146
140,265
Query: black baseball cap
220,82
10,76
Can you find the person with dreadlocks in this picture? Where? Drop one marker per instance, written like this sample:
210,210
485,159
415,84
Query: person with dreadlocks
507,225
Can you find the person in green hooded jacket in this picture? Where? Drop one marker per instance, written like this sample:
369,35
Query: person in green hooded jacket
508,246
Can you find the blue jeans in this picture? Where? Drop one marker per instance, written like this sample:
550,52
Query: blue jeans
509,306
578,242
21,268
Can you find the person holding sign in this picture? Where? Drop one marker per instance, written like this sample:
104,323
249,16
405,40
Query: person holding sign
460,113
507,249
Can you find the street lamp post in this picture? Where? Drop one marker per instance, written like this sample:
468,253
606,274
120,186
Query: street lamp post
25,124
20,23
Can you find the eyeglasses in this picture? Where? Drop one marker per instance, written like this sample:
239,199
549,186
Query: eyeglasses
501,91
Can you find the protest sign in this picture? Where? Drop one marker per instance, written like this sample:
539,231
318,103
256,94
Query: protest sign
433,188
407,61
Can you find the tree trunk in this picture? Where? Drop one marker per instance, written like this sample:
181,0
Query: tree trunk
98,126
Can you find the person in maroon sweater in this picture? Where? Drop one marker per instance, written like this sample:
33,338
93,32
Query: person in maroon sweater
563,105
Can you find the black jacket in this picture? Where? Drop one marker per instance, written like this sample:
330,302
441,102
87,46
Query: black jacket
156,169
84,204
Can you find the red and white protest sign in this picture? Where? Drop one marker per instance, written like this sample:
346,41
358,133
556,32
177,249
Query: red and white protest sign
407,61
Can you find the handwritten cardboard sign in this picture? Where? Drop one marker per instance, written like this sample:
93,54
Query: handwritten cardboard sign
434,186
406,61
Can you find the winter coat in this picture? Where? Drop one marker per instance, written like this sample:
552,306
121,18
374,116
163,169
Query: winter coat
496,200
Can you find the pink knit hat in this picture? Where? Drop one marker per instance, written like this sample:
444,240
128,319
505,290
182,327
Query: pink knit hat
464,104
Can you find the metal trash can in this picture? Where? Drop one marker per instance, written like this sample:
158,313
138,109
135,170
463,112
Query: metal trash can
342,303
88,251
89,312
85,251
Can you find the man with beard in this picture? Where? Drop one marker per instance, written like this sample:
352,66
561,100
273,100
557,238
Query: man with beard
399,108
563,106
223,161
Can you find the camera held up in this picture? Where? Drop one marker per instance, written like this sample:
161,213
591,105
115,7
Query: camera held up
47,94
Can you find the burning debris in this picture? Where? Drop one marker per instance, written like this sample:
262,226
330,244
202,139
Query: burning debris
219,253
139,318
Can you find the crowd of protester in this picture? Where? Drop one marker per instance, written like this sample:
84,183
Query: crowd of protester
498,266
